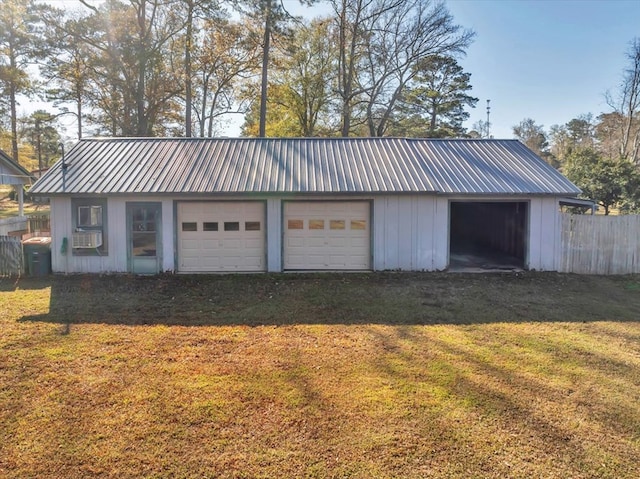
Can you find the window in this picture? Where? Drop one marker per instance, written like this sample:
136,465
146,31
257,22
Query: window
232,226
252,226
89,218
189,226
210,226
336,224
295,224
316,224
358,225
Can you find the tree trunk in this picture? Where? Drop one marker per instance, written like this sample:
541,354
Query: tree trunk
141,117
265,71
79,115
14,123
12,102
187,70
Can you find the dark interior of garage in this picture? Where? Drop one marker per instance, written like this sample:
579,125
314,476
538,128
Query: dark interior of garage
488,235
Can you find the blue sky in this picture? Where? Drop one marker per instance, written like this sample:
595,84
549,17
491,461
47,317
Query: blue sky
550,60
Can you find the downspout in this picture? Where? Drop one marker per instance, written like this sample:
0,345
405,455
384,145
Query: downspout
64,169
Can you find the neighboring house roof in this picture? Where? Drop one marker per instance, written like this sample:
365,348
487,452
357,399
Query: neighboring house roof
301,165
12,173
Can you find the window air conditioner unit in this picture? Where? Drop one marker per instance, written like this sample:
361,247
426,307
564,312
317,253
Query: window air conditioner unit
86,239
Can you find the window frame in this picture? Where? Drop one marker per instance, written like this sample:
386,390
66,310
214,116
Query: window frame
101,225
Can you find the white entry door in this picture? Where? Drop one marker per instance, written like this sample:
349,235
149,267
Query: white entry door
221,236
327,235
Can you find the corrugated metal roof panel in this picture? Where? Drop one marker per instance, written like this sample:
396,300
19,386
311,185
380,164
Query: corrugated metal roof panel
297,165
490,166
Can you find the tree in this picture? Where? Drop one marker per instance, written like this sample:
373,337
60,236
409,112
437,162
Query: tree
274,17
626,106
404,35
280,122
606,181
301,85
380,43
134,87
67,70
41,133
437,99
21,45
226,56
578,134
194,12
534,137
480,129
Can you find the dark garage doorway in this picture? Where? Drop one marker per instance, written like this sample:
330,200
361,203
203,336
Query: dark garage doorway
488,235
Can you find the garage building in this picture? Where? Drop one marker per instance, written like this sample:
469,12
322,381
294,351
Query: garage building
193,205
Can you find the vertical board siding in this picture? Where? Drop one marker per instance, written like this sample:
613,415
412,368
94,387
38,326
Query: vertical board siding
11,258
274,235
403,233
409,233
600,244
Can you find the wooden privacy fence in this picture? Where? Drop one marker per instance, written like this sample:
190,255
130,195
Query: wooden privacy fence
16,223
600,244
39,223
11,261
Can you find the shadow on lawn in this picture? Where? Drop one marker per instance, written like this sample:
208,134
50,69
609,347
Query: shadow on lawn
332,298
12,283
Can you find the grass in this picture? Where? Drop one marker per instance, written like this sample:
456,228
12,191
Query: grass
9,207
314,376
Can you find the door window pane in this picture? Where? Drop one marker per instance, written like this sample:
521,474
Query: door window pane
210,226
144,243
316,224
295,224
252,226
358,225
189,226
231,226
337,224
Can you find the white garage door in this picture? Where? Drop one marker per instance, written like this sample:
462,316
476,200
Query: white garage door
327,235
221,236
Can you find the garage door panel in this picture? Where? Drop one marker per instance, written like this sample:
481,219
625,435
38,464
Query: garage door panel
237,245
358,242
327,235
337,242
208,244
254,243
295,242
315,242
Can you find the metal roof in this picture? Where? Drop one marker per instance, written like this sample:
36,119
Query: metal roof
12,173
301,165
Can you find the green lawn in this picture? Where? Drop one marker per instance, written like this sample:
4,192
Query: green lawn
9,207
320,376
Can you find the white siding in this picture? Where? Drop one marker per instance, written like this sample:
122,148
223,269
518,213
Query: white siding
403,233
116,259
544,234
274,235
441,234
409,232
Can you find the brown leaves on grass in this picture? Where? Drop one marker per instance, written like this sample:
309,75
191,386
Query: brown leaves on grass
196,377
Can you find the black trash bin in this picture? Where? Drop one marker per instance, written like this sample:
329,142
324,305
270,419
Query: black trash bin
37,256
